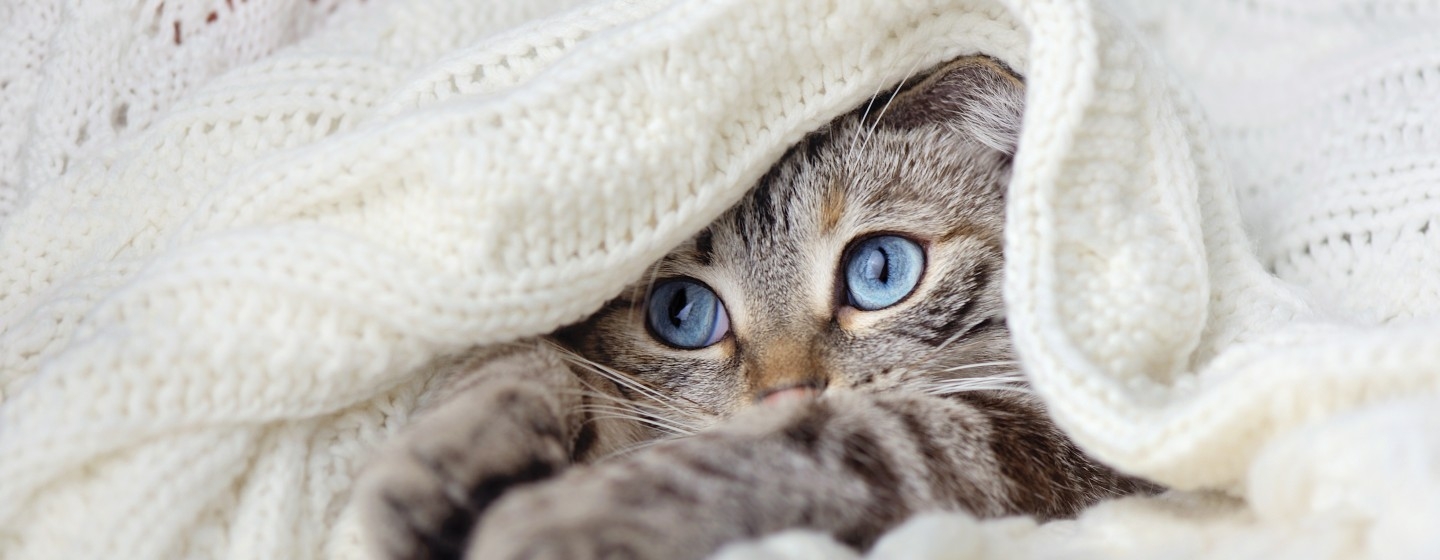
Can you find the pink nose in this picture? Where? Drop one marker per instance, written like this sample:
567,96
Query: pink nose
789,394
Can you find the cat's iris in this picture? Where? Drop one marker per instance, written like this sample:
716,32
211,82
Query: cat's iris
880,271
687,314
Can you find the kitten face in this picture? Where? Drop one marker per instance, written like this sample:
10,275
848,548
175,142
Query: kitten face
786,263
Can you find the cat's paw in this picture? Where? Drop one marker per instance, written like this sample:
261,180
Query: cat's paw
644,509
423,495
571,522
599,540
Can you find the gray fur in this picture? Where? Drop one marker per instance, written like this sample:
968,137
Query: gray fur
921,406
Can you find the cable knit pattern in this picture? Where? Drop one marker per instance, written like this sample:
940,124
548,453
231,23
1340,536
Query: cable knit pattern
235,235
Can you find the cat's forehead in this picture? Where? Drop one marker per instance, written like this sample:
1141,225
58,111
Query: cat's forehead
846,182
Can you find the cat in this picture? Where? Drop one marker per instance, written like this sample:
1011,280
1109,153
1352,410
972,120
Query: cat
830,354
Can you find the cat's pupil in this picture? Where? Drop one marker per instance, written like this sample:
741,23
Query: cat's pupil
680,307
877,266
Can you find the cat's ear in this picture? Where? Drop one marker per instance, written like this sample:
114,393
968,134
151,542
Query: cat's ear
975,96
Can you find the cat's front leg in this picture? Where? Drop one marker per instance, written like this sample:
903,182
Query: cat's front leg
836,465
509,420
851,465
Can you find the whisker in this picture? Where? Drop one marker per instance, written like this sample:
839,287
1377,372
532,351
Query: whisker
632,449
983,364
593,394
608,372
663,426
645,407
1009,381
618,409
938,391
851,153
687,422
931,352
624,379
647,421
864,115
953,338
630,382
1015,376
886,107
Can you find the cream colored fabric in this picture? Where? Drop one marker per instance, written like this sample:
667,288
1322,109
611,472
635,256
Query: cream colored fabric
225,263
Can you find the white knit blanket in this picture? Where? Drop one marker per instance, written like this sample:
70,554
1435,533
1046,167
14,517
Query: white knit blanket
233,234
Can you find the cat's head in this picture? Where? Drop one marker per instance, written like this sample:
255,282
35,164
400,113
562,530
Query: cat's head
868,258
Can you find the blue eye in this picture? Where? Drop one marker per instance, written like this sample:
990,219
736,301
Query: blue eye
880,271
685,313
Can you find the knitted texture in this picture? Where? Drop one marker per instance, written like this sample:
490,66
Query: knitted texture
226,264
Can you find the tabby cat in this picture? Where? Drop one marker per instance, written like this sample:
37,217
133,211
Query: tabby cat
830,354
